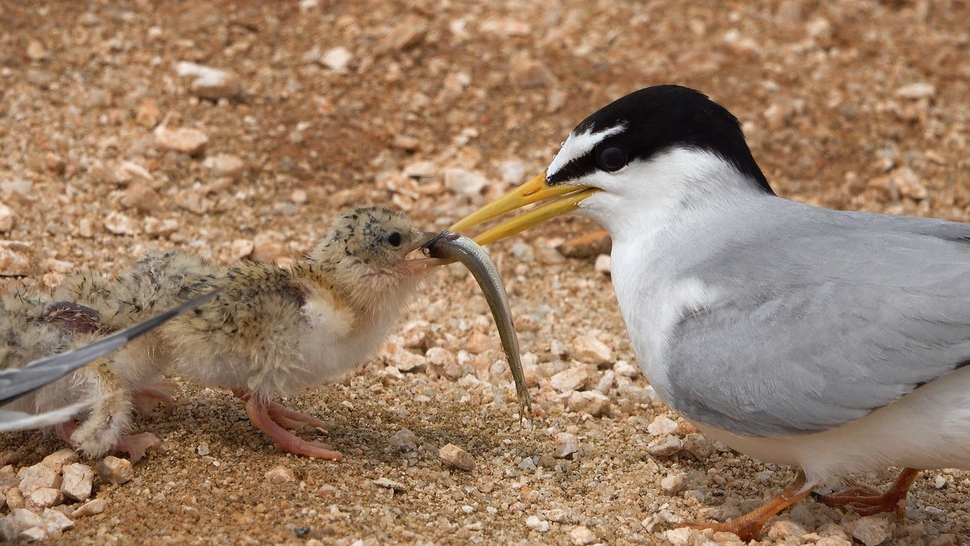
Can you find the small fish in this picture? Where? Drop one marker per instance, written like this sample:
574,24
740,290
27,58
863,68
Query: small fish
16,382
458,247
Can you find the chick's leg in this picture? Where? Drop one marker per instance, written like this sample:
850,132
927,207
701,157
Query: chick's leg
748,526
101,430
261,416
284,416
866,501
157,392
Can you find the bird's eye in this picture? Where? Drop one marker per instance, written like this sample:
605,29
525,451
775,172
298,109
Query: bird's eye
394,239
611,159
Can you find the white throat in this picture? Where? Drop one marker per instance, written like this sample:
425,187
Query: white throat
660,214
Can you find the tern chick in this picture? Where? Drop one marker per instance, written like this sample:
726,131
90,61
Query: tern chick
273,331
33,327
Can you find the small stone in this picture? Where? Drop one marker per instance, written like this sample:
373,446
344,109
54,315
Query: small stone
421,170
665,446
908,183
587,246
268,247
44,497
91,508
581,535
241,248
589,349
184,140
337,59
443,362
526,73
33,534
18,521
505,27
129,171
280,475
625,369
566,445
36,51
916,91
141,197
57,266
479,343
161,228
467,183
603,264
672,483
116,471
833,541
55,163
570,379
39,476
55,522
390,484
225,165
401,358
60,457
15,499
594,403
147,114
870,530
939,481
785,530
78,481
7,219
13,263
405,35
537,524
512,171
662,425
120,224
210,83
202,449
457,457
404,440
522,251
699,446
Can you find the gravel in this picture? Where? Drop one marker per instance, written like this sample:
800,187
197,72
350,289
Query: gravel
237,130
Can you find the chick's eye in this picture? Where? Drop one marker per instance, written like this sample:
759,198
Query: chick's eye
611,159
394,239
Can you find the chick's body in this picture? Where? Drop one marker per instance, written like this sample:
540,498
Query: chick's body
274,331
33,326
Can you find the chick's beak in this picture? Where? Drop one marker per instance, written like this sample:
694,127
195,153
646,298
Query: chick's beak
560,200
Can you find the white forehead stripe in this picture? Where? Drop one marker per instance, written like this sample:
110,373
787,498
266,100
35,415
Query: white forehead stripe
579,145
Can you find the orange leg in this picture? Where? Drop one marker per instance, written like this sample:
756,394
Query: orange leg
866,501
748,526
284,416
262,418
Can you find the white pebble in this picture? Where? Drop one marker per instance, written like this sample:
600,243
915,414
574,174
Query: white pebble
537,524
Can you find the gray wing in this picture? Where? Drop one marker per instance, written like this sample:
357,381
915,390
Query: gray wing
827,320
17,382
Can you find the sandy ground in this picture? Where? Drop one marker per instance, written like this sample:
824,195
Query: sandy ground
432,107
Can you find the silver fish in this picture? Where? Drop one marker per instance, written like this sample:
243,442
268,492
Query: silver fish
16,382
458,247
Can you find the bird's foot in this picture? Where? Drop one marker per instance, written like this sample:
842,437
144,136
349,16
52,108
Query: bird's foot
867,501
292,419
262,418
749,526
145,398
135,445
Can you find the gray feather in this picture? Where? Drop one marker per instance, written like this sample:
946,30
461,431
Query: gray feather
828,316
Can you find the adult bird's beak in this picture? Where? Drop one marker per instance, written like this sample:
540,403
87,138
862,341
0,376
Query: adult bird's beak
561,199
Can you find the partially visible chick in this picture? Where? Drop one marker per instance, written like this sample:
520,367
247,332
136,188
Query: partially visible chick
34,326
275,331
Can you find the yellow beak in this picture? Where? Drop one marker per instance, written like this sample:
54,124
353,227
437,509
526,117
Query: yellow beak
561,199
